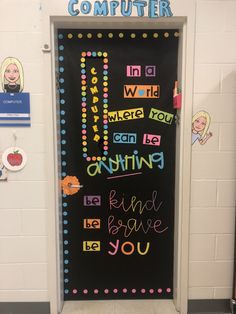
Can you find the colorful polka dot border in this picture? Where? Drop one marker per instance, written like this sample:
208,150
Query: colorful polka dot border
123,291
94,108
121,35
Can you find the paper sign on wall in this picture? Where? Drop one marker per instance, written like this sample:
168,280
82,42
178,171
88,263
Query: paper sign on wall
14,104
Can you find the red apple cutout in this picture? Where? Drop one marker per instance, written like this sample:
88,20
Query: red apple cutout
15,158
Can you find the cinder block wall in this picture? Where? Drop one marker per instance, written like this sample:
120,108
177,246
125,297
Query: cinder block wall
213,190
23,212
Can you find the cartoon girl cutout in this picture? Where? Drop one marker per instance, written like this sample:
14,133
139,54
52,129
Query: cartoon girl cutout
12,76
200,125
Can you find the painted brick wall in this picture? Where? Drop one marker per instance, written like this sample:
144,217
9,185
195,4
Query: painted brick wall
213,191
23,235
23,212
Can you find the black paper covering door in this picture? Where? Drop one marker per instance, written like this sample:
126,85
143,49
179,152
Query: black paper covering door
118,140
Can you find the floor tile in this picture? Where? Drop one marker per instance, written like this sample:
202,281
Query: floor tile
120,307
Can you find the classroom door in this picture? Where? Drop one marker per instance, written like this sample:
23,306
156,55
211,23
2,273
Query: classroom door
117,128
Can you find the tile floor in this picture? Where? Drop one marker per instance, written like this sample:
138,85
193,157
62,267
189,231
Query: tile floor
120,307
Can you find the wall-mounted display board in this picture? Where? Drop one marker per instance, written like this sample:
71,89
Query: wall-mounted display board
118,143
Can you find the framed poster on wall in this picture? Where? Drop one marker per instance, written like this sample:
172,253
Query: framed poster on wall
118,143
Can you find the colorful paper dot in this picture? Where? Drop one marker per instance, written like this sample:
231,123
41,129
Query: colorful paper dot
155,35
95,291
61,58
74,291
70,36
145,35
99,53
106,291
176,34
94,54
60,36
124,290
133,290
99,35
89,53
88,158
61,47
104,54
105,95
151,291
80,35
115,290
84,131
121,35
94,158
132,35
159,290
105,66
143,290
168,290
166,35
110,35
89,35
85,291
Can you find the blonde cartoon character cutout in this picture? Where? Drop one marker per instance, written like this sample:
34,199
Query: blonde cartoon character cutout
12,76
200,125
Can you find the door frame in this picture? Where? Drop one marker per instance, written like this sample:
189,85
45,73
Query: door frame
183,145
